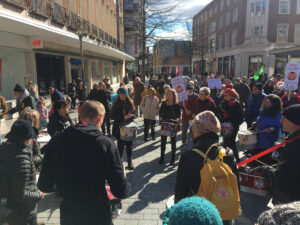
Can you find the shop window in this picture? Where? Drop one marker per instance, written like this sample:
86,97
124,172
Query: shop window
255,62
284,6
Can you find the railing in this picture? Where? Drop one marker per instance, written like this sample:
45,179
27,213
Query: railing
42,8
94,31
21,4
59,14
73,21
106,36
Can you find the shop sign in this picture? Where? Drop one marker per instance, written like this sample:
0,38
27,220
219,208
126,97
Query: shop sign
37,44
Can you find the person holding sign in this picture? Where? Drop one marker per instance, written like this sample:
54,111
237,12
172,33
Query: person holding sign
169,112
204,102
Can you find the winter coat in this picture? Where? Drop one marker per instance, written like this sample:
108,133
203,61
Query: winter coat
138,90
72,90
188,174
23,194
188,105
118,111
169,113
25,101
80,95
252,107
104,97
285,177
268,89
160,88
36,152
243,90
293,100
231,112
145,93
150,107
3,107
93,95
78,163
57,96
264,121
201,106
58,124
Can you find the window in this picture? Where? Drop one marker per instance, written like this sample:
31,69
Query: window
216,9
235,15
227,40
221,23
282,32
297,33
252,9
234,37
221,5
227,2
210,12
205,16
256,31
212,27
298,6
263,7
284,6
227,19
220,45
212,45
201,18
257,8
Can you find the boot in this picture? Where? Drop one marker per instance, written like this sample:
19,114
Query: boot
130,165
161,159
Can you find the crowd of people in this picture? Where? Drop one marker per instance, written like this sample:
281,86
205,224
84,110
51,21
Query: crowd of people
212,116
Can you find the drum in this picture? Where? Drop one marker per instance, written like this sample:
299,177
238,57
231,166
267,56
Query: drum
247,139
253,183
168,129
128,132
226,129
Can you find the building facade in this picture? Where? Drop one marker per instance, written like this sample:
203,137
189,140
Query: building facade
39,41
168,54
240,35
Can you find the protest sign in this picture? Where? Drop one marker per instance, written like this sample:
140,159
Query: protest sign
178,85
292,72
215,83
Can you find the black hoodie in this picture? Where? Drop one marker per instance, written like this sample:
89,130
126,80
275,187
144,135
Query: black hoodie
79,162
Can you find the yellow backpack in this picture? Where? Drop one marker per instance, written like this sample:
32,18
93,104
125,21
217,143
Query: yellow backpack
219,185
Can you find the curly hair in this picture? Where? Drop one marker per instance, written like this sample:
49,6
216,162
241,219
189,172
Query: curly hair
276,107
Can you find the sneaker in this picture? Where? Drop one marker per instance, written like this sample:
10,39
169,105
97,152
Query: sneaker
130,166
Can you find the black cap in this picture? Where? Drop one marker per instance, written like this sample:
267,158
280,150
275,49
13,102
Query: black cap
19,88
292,114
259,86
190,87
21,130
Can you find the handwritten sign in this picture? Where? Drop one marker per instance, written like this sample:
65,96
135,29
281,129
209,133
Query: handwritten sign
292,72
214,83
178,85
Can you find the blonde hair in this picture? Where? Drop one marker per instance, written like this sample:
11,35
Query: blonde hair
31,116
42,100
174,95
91,110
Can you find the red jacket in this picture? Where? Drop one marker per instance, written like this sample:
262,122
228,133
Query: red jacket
188,105
201,106
293,101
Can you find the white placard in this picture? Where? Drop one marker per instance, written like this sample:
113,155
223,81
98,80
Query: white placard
214,83
292,72
178,85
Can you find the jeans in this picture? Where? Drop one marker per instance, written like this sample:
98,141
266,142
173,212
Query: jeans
185,128
163,147
107,122
121,144
149,123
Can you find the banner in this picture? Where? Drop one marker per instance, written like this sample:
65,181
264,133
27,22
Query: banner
215,83
178,85
292,72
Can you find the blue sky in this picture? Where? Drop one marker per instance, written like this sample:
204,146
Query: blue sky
187,9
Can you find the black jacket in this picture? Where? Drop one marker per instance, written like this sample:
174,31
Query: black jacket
57,96
23,194
285,178
231,112
243,90
58,124
36,152
105,98
188,174
78,162
93,95
29,101
169,112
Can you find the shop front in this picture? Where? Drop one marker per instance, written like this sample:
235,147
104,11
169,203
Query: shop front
255,62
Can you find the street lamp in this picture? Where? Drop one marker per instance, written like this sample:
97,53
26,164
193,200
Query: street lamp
80,35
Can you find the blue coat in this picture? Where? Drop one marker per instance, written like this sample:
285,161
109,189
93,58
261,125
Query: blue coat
267,140
253,105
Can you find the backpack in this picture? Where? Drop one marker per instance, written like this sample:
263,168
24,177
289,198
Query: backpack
219,185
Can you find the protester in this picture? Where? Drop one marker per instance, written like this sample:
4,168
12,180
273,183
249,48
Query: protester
285,176
230,112
150,108
33,117
290,98
72,92
169,112
76,165
251,83
245,79
59,120
269,87
205,129
104,98
42,110
253,104
187,114
285,214
268,124
279,91
196,87
122,113
3,111
22,192
192,211
160,87
243,90
23,100
145,93
205,102
56,95
80,93
107,85
138,87
32,91
94,93
130,93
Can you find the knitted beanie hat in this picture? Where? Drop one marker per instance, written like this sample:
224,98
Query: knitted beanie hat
229,85
292,114
287,214
230,92
122,90
192,211
207,122
19,88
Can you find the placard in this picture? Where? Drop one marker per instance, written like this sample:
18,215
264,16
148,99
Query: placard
178,85
215,83
292,72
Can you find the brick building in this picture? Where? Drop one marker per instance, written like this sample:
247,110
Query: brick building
237,36
39,41
167,54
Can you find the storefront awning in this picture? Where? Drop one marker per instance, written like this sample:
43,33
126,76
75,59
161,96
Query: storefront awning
283,52
14,23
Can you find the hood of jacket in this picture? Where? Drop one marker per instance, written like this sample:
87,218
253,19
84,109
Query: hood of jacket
86,129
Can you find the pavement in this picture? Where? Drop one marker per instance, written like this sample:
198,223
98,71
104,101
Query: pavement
153,185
